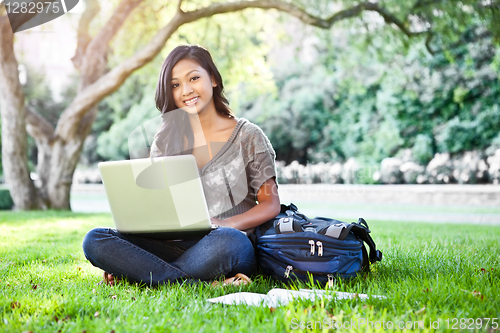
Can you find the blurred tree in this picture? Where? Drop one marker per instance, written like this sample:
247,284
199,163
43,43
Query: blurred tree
59,147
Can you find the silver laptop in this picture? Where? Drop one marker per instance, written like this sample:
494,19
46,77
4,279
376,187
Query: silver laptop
157,197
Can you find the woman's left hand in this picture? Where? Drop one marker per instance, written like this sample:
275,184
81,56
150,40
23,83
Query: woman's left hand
219,222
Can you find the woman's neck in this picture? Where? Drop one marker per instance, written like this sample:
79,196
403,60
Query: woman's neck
206,122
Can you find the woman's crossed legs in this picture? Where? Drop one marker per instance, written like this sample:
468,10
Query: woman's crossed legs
223,252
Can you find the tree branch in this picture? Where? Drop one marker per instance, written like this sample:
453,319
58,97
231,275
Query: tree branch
94,60
38,127
390,18
92,8
428,41
112,80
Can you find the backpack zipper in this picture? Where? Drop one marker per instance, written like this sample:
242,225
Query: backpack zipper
311,242
330,281
288,270
320,248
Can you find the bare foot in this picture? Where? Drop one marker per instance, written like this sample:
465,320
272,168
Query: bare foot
109,279
237,280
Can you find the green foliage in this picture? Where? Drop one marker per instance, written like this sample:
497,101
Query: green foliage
369,93
464,135
39,96
370,105
113,144
5,199
422,149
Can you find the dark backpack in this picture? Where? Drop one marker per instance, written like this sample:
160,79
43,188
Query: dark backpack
291,245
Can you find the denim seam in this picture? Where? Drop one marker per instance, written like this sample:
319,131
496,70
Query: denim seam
151,255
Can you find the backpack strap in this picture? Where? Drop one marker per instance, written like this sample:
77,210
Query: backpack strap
360,229
293,211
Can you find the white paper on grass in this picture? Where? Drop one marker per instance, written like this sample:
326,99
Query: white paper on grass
277,297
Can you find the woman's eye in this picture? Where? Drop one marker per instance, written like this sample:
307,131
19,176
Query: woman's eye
175,85
195,78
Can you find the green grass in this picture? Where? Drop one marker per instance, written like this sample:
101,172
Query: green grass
429,272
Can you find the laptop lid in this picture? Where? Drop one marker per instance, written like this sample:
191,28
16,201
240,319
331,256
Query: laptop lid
156,195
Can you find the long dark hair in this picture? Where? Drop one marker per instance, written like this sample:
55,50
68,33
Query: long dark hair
175,126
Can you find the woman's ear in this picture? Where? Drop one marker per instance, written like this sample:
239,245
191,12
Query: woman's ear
214,84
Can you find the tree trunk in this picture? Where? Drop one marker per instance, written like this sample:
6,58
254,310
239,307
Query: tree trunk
57,164
14,136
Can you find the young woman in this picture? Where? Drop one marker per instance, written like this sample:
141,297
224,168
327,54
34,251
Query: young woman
236,165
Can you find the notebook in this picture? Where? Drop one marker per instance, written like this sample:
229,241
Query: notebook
157,197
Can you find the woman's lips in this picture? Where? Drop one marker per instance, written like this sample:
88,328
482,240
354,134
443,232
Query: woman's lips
191,101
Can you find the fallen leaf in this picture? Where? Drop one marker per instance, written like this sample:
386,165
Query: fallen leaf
133,298
96,314
113,297
34,286
27,332
79,268
483,270
271,309
476,293
426,290
422,310
14,305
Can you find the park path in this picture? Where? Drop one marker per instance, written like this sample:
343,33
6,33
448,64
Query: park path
475,204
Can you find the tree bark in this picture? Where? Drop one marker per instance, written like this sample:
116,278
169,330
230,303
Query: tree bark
14,136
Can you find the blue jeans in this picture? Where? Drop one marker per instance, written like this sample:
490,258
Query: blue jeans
223,252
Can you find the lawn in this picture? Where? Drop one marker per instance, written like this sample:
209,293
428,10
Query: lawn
442,275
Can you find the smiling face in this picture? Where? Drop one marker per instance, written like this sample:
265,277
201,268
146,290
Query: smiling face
192,87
